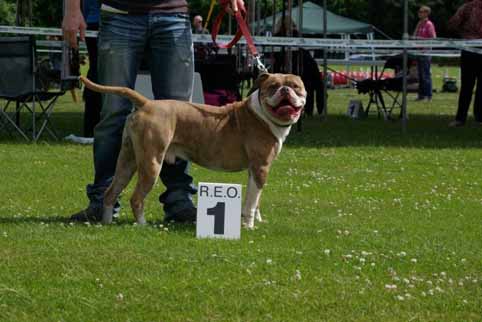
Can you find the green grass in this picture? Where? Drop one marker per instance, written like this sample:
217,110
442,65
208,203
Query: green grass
352,208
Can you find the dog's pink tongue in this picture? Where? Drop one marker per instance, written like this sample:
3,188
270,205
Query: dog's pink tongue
285,110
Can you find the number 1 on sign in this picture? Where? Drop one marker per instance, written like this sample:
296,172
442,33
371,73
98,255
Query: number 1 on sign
218,212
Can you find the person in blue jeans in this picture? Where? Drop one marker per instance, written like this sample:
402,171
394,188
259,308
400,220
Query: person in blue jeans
93,100
425,30
128,32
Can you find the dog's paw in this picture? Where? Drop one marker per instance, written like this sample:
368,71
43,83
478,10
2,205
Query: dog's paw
258,216
248,222
107,215
141,220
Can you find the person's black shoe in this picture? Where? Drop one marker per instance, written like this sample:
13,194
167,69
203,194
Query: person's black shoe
186,216
90,214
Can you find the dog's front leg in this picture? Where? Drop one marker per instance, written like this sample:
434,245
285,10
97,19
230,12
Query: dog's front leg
256,180
253,194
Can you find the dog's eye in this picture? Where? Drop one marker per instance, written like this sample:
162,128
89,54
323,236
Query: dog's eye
294,86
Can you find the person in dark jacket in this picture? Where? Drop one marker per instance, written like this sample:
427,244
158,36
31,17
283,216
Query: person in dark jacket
303,65
468,24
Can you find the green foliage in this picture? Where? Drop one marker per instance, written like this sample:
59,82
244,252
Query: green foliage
47,13
7,12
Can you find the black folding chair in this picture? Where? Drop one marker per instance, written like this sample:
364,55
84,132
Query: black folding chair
21,90
377,86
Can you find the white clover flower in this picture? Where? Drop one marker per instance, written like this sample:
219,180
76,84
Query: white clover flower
406,281
414,260
298,275
269,261
120,296
402,254
327,251
400,298
390,286
439,289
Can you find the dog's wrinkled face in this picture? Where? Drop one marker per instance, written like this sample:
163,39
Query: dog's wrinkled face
283,96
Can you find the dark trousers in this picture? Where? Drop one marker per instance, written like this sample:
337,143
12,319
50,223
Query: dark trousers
93,100
424,77
471,70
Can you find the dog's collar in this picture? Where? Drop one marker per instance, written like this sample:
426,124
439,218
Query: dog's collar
279,131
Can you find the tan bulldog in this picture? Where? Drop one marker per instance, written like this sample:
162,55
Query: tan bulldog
238,136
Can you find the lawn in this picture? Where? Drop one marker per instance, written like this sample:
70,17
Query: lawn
363,223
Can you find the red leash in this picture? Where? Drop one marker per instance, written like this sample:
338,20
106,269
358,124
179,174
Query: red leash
243,30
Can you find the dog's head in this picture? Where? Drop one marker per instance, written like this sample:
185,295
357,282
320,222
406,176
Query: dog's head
282,96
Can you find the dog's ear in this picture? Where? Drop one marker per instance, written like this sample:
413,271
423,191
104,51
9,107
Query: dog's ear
261,78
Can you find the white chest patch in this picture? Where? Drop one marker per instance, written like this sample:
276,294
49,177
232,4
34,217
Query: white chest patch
280,132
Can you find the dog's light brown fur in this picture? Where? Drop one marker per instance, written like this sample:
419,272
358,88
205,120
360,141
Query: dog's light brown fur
229,138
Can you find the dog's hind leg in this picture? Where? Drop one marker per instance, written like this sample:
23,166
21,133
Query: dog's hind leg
125,169
148,172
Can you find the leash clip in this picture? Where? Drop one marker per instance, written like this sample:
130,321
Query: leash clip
259,64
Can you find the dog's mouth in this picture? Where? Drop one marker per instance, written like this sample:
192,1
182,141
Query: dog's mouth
285,109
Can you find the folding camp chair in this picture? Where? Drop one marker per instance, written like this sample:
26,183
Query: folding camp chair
378,85
221,81
21,90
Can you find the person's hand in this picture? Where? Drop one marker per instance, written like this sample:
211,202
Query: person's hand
233,6
73,23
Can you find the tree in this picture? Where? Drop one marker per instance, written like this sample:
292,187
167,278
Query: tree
7,13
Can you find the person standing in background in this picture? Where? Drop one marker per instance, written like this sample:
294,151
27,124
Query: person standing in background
425,30
93,100
467,23
197,24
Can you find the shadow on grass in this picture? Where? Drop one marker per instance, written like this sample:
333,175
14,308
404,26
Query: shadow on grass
423,131
123,222
45,219
63,123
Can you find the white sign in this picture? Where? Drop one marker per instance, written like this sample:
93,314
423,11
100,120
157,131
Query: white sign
218,211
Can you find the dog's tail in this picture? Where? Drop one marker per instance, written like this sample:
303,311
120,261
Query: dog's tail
131,94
